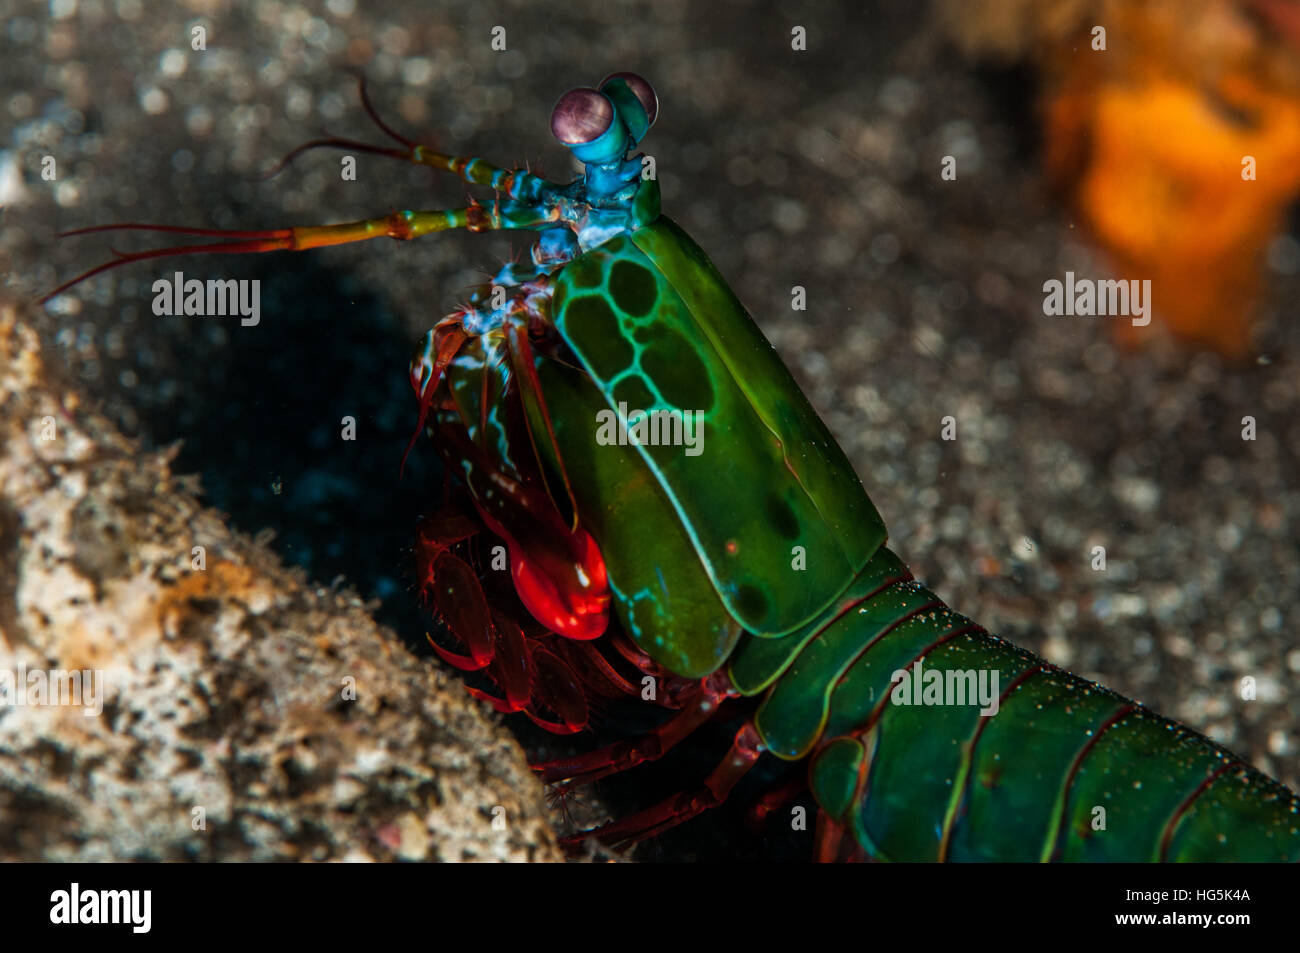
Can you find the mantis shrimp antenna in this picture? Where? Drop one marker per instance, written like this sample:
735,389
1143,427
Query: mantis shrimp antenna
513,182
527,207
401,226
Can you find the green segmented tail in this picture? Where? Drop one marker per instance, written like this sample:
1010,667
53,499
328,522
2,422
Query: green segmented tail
1064,770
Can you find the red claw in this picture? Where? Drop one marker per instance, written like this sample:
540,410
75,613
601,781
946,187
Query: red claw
558,572
559,575
556,567
569,594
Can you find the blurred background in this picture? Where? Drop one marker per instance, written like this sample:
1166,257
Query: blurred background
817,167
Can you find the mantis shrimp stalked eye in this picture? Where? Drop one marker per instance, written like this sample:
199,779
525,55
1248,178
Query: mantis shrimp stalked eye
581,117
600,125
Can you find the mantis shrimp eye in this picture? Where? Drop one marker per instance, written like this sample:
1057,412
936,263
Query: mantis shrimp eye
641,89
581,116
